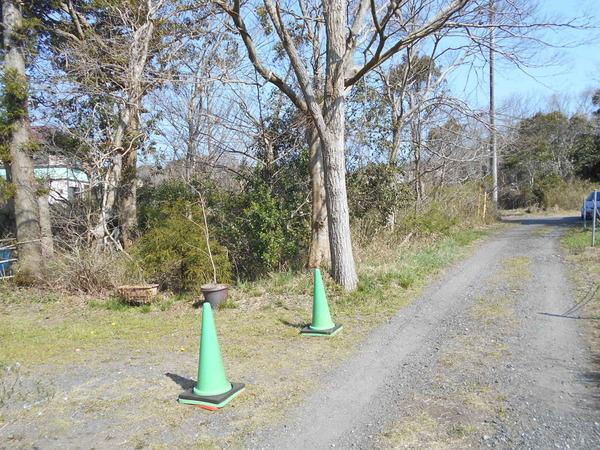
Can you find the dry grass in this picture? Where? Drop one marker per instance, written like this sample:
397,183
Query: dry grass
494,310
534,211
418,431
516,270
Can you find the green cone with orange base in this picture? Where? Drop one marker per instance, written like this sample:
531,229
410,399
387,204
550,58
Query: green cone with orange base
321,325
213,390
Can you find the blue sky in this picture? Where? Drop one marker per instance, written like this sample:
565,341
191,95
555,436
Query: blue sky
560,72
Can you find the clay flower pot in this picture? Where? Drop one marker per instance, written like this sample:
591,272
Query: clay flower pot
215,294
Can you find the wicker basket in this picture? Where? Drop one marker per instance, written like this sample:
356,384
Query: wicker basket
140,294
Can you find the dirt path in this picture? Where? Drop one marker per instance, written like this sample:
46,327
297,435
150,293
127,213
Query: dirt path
486,357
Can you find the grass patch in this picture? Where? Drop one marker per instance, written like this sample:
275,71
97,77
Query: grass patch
577,240
543,230
110,304
10,293
517,269
412,432
494,310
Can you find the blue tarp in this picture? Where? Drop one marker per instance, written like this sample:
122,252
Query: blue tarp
5,254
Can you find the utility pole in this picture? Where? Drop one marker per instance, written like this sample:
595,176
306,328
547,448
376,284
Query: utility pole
493,144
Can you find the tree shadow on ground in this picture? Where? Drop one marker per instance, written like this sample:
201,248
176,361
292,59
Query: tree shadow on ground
298,325
550,221
592,376
572,312
185,383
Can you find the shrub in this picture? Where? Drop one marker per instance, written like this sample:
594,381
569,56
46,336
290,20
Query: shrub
567,194
174,253
260,230
442,213
264,225
375,191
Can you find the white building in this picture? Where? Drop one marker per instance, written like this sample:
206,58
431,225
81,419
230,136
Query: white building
65,180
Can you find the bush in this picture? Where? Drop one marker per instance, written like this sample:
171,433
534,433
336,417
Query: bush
174,253
261,231
567,195
548,192
375,191
264,225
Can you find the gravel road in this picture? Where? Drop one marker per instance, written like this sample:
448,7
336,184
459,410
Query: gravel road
486,357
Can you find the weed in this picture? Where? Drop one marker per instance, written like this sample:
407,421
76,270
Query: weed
517,269
461,430
413,431
585,266
10,381
110,304
578,240
492,310
165,303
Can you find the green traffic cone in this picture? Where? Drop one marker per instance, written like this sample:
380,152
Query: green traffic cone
321,325
213,390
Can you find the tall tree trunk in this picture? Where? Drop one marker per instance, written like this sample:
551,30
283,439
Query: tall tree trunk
319,252
128,188
343,267
396,141
119,200
103,230
25,200
45,227
416,142
418,185
390,220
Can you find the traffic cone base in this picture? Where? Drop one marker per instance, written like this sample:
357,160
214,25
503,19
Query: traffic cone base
211,402
309,331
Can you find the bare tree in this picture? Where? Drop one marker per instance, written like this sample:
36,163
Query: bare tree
113,54
347,32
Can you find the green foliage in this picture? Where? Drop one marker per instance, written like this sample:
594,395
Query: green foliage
154,201
14,95
375,191
586,150
433,220
13,107
258,231
7,190
550,150
174,252
264,227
